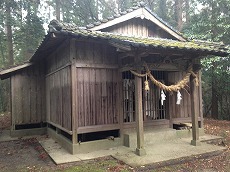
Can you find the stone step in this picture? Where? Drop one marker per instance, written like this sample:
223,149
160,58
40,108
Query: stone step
150,137
212,139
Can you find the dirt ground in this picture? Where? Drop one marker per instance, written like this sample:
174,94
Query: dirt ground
5,120
28,155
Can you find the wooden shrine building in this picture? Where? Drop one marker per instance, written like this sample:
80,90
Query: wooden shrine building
119,75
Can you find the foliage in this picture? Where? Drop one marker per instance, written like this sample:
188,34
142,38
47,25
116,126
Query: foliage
212,22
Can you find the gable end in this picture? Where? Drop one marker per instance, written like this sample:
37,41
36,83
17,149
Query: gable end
141,13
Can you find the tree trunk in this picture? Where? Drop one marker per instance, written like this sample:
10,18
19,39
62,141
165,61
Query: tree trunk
9,34
214,110
215,106
162,12
58,9
2,51
178,14
187,9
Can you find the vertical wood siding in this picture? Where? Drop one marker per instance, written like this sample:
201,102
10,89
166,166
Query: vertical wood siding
97,96
138,27
184,109
97,86
59,98
58,87
28,95
95,53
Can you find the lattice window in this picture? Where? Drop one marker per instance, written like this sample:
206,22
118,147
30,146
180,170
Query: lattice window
152,108
128,97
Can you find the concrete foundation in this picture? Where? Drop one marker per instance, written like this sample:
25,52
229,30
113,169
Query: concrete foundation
83,147
152,136
128,139
166,151
63,141
188,133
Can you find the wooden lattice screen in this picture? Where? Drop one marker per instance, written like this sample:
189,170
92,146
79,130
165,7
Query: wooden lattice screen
152,108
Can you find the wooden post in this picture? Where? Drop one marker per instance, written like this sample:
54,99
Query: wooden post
73,90
200,101
12,106
194,111
139,115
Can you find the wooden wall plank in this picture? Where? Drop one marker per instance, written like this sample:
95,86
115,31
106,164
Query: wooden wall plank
33,97
39,97
98,94
27,93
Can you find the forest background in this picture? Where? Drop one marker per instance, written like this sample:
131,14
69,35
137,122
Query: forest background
23,24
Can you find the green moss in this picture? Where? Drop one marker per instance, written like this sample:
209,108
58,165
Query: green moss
167,43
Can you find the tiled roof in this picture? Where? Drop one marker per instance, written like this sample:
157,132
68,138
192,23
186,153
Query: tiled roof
193,45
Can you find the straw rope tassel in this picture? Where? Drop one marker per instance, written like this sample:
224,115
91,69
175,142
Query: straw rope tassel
146,83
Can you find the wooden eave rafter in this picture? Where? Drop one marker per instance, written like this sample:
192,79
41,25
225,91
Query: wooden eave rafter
120,47
144,52
139,13
6,73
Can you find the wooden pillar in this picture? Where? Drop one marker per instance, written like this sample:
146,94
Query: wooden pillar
195,112
73,90
139,112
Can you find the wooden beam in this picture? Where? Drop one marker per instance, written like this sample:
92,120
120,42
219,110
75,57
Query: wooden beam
139,113
147,124
97,66
55,71
156,66
194,112
186,119
60,127
95,128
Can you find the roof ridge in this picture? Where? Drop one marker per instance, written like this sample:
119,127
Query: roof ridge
56,25
116,15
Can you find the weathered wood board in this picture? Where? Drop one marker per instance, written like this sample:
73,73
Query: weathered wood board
184,109
28,95
139,27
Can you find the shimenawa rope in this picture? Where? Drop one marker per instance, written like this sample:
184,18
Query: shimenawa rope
179,85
